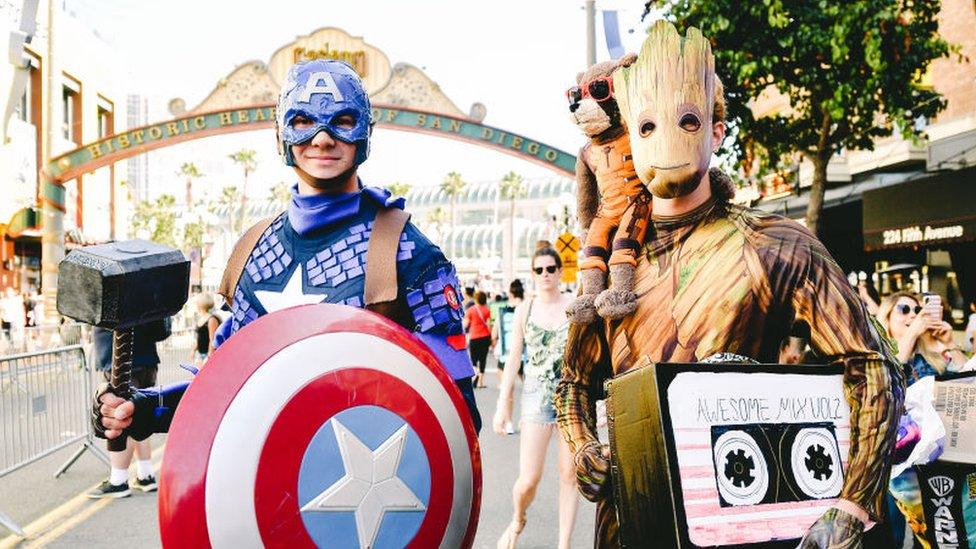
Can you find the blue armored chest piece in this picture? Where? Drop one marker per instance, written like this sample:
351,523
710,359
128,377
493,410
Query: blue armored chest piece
330,265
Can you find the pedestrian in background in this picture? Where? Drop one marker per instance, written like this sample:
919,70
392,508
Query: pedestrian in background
925,343
145,366
477,324
12,315
925,348
501,329
541,328
206,325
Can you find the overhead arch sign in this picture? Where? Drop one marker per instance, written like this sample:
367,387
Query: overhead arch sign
255,117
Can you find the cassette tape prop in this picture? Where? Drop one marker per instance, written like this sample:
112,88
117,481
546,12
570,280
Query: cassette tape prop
753,454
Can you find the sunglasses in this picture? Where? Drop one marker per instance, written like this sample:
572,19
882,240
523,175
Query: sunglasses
550,269
905,309
600,90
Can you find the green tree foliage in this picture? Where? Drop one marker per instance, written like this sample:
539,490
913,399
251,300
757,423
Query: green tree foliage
399,189
435,218
189,172
851,71
247,160
194,232
512,187
156,220
280,194
452,187
229,199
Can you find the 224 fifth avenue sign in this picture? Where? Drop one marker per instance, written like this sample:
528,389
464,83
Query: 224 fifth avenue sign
910,235
139,140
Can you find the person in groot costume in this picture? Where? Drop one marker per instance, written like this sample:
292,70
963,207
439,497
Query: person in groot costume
714,277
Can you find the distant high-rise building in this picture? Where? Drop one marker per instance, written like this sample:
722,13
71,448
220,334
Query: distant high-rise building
137,113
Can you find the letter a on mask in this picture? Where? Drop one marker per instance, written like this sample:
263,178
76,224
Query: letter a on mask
320,82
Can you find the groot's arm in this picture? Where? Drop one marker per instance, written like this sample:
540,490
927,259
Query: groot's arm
843,332
585,368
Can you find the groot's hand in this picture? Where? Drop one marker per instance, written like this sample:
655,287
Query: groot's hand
592,470
834,530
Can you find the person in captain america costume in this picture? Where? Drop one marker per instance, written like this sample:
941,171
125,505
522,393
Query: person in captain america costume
315,252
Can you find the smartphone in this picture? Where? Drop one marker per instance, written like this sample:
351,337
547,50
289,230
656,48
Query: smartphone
932,305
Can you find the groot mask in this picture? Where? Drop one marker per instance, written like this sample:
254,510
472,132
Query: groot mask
666,99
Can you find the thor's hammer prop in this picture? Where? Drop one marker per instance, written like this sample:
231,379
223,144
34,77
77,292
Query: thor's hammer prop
119,286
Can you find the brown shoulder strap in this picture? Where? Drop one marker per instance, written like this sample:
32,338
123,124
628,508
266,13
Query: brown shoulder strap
238,258
381,265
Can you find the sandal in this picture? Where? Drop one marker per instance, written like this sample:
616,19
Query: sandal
509,539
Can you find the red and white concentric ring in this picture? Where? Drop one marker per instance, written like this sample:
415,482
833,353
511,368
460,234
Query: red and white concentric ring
217,440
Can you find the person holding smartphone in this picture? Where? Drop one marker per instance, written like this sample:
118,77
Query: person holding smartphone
925,343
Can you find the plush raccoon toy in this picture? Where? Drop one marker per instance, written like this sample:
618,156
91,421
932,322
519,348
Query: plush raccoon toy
613,205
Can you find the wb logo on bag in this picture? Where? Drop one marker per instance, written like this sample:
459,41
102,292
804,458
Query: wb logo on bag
941,485
946,535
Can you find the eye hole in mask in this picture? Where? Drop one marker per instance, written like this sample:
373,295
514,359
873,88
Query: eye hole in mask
689,123
301,122
344,121
647,127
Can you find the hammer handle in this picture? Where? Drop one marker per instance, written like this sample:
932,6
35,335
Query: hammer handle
122,342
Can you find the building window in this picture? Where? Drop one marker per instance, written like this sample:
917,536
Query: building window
106,117
24,108
71,109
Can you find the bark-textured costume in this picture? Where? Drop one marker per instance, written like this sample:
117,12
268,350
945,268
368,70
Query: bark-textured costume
722,278
613,203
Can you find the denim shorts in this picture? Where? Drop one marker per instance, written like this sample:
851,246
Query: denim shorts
537,406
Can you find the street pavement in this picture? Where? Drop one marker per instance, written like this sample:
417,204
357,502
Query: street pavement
54,512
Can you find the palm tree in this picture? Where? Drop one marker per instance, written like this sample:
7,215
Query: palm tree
230,197
512,187
435,218
190,171
247,160
280,195
399,189
452,187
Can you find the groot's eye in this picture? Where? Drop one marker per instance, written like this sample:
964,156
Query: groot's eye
647,127
690,123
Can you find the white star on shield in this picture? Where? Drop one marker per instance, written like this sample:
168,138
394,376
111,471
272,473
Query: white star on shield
370,486
290,296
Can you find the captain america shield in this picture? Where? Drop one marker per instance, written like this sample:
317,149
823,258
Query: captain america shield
321,425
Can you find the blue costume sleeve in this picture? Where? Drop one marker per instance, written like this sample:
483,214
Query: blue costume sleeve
223,332
154,409
436,308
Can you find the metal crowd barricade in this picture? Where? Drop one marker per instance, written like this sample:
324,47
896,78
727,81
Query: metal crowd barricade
44,407
38,338
173,351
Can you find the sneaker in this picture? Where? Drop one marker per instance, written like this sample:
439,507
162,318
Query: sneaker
109,490
509,428
147,484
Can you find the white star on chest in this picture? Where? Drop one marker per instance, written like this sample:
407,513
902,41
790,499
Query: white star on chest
370,487
289,296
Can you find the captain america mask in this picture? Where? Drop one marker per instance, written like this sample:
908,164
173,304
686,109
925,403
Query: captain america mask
323,92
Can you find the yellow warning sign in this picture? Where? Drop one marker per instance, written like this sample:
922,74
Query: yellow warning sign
567,246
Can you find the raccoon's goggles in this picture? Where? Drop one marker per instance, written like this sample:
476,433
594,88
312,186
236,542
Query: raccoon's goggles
600,89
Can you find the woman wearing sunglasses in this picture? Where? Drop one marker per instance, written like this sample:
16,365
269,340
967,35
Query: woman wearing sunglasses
541,327
925,344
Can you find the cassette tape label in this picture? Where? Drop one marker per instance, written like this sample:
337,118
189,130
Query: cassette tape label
760,456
